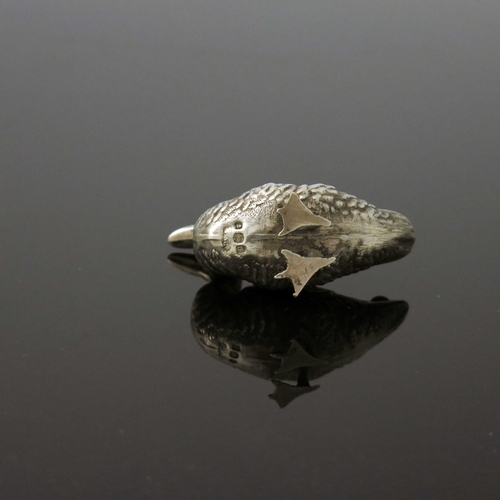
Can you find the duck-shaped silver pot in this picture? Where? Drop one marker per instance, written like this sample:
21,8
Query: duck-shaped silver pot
283,235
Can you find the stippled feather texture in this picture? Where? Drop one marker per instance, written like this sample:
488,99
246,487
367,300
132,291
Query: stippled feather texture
243,237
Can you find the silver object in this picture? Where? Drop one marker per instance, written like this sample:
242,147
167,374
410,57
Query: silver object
282,235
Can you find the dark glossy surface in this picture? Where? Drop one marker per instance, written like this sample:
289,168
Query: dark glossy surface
122,121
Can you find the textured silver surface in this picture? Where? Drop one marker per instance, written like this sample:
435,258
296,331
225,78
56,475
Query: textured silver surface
283,231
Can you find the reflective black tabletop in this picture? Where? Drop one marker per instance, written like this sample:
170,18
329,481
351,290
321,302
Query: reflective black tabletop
122,377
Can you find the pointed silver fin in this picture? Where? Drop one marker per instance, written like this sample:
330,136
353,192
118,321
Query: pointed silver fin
301,269
295,214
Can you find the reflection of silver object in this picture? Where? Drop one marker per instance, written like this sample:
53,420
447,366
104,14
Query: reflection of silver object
270,335
279,235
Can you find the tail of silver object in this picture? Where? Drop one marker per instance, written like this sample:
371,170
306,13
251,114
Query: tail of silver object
182,238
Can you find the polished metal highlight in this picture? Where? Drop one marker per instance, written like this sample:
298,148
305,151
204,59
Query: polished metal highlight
283,236
182,237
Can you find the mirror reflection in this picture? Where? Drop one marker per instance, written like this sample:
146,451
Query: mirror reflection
288,341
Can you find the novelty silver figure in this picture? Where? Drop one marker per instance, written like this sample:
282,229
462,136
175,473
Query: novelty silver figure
282,235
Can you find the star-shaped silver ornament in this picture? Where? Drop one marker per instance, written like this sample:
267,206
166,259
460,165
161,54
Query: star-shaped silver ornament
295,215
301,269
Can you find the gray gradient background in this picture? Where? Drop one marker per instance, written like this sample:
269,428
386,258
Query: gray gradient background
123,120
